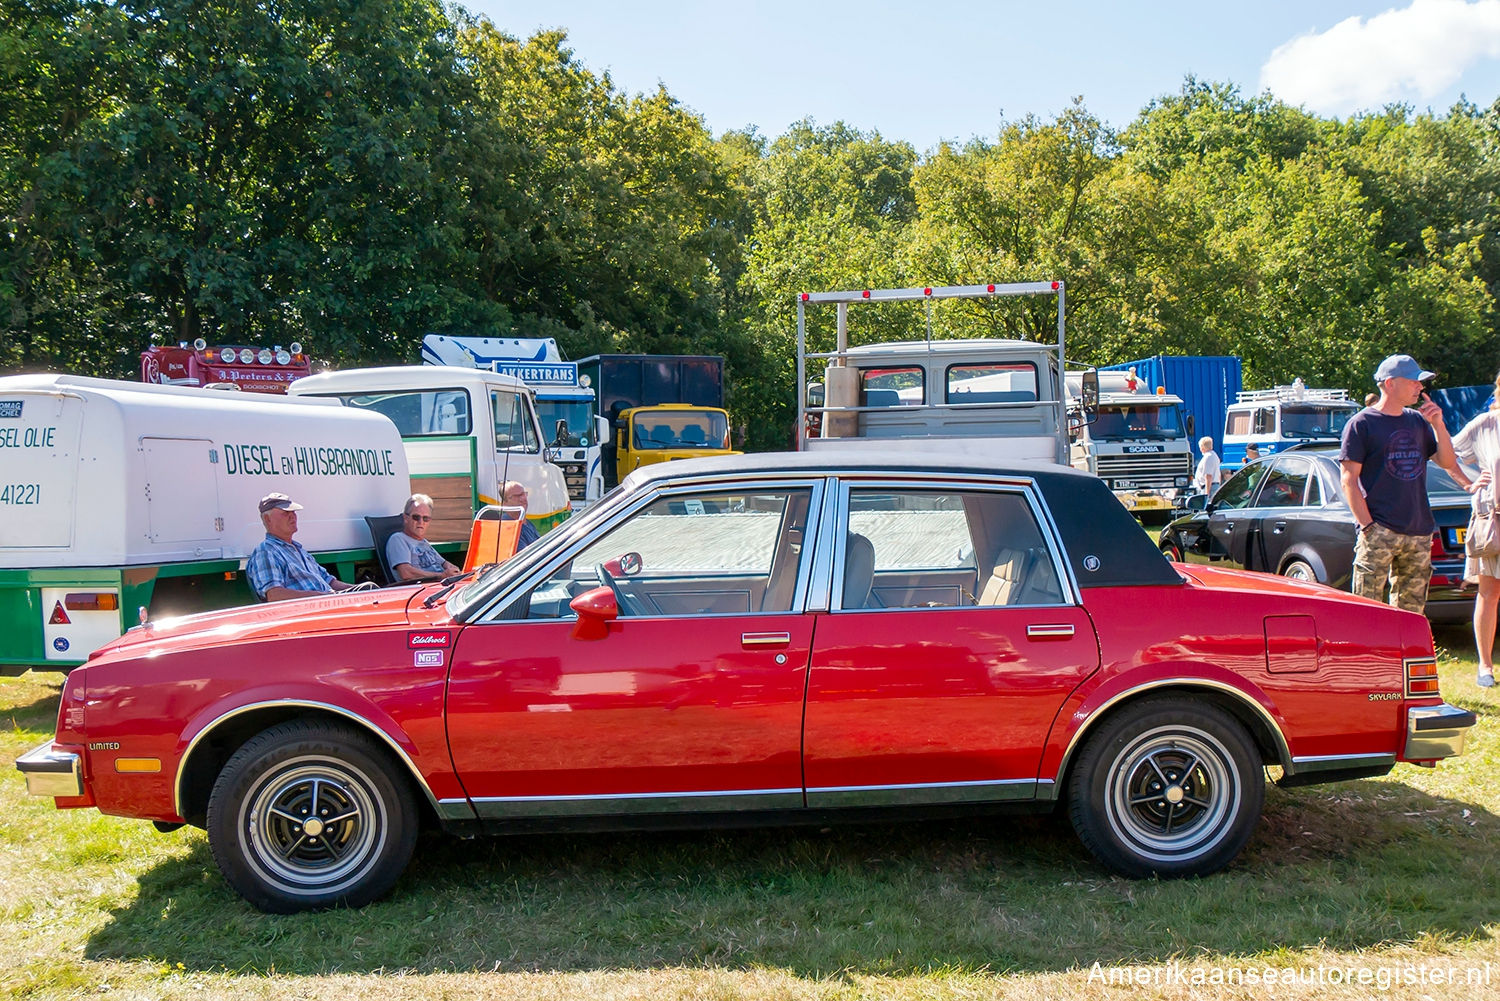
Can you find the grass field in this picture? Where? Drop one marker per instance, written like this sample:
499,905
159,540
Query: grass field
1392,881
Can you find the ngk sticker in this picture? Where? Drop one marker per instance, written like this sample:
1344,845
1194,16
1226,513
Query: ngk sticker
428,640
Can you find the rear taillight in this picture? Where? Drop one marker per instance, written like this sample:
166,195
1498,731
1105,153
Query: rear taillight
1421,678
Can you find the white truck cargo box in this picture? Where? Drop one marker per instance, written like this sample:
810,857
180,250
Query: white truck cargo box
107,486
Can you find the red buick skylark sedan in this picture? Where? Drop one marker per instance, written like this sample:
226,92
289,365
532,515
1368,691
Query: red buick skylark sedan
788,638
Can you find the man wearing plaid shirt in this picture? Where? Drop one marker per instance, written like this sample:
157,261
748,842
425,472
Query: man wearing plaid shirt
280,568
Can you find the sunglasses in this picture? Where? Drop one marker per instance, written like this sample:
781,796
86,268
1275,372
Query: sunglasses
420,517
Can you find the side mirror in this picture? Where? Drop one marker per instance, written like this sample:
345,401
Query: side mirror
1191,426
1198,502
1090,386
595,608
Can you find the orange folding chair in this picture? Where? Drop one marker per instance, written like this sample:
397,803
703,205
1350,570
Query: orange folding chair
494,535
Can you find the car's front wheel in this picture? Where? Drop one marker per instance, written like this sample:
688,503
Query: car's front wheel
1167,787
309,815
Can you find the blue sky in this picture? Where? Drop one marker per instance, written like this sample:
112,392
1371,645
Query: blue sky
954,69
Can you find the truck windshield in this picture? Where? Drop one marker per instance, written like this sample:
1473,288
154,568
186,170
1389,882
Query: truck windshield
681,429
1139,420
1304,420
578,416
417,413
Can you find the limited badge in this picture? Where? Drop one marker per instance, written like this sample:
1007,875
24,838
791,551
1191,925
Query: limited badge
1091,563
427,658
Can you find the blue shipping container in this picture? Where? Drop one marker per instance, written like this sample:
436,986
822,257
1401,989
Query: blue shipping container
1207,384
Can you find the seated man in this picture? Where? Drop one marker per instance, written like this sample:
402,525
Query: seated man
515,496
408,552
280,568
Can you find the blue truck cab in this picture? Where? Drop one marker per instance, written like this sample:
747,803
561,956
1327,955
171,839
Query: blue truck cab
1276,419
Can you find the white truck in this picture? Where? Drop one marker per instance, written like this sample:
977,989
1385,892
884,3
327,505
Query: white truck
465,431
1135,441
1278,418
996,396
123,496
564,401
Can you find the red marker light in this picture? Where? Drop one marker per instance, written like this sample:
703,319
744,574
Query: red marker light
927,291
866,293
989,288
1054,285
806,296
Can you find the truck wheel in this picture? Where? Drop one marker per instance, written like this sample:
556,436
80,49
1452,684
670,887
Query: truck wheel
1167,788
308,815
1300,570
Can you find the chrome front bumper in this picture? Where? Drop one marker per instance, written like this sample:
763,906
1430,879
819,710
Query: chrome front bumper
1435,732
51,773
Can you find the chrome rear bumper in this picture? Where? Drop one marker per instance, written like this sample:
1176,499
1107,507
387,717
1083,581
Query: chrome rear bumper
1435,732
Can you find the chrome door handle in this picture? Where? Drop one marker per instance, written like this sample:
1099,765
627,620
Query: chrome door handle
765,639
1050,631
1278,528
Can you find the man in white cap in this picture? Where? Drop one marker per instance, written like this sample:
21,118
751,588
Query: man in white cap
281,568
1384,457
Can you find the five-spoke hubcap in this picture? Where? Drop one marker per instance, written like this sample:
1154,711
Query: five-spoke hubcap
313,826
1172,793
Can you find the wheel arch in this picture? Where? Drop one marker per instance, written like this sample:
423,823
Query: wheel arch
213,746
1307,555
1254,717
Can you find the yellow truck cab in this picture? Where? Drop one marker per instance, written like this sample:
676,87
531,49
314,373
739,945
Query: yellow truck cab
644,435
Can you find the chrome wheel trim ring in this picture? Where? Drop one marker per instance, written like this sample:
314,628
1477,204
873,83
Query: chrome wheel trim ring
313,826
1172,793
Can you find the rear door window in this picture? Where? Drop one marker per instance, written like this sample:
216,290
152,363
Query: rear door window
938,549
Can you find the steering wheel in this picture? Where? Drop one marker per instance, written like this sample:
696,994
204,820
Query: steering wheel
627,604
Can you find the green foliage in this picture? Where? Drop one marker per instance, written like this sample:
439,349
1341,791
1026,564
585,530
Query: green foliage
356,176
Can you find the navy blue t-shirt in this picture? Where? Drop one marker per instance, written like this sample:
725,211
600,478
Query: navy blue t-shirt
1393,453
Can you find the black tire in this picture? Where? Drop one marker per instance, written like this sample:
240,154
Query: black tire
1172,551
1167,787
1298,569
366,826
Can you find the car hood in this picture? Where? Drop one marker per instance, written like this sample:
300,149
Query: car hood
301,616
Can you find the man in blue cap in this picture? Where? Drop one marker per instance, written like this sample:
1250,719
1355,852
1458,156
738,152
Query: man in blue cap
1384,457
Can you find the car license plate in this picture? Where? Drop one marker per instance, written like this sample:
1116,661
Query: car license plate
1456,537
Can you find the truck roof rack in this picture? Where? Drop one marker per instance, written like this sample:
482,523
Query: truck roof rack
1290,393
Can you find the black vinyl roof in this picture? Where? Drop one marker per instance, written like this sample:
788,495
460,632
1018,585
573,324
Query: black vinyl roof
1105,545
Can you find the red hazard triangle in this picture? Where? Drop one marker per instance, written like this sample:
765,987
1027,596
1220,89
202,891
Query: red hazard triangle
59,617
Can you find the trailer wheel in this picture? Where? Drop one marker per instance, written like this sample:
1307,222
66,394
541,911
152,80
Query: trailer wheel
308,815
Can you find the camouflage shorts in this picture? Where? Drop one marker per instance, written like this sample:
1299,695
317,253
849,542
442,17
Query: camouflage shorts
1406,560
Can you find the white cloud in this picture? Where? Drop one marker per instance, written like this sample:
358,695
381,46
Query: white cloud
1400,55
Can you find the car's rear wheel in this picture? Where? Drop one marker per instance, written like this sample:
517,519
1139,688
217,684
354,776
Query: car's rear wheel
1300,570
1167,787
1172,551
309,815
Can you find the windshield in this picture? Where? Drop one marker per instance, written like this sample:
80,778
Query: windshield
579,417
416,412
661,429
1139,420
1305,420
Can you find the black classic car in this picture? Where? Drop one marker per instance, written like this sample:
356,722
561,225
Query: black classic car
1285,514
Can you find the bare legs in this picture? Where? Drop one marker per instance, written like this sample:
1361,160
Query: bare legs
1485,604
